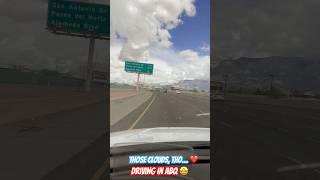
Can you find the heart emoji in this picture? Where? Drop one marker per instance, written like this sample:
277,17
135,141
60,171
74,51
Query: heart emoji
193,159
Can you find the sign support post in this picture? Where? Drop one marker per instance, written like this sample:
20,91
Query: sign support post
90,65
138,68
138,82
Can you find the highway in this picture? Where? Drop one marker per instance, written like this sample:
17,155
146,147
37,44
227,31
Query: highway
268,139
165,110
71,144
254,137
160,110
168,110
56,146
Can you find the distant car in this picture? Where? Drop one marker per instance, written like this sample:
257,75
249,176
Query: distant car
178,92
165,91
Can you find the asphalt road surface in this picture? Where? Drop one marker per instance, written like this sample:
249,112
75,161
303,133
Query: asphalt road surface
263,141
64,145
252,140
71,144
168,110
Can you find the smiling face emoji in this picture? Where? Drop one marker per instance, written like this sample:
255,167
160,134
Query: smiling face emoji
184,171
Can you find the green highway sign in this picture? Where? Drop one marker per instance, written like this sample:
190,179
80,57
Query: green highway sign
79,19
136,67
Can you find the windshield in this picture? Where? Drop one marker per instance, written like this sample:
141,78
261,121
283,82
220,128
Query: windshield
160,70
160,83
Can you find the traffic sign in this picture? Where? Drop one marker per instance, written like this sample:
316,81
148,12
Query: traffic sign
79,19
137,67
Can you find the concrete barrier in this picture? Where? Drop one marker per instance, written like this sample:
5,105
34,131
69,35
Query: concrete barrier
121,107
24,103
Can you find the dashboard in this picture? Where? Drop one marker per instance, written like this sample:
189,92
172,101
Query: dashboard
120,167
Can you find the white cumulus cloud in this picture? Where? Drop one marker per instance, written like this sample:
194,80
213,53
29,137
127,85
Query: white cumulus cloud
146,22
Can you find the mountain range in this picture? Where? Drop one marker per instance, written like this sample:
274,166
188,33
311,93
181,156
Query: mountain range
287,73
194,84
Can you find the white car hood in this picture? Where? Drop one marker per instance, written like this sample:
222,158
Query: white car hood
159,134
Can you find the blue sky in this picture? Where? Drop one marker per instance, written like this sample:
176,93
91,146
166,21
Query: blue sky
195,31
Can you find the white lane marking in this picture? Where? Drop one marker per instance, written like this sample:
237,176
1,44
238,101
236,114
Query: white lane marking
300,165
194,107
226,124
141,115
203,114
104,167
